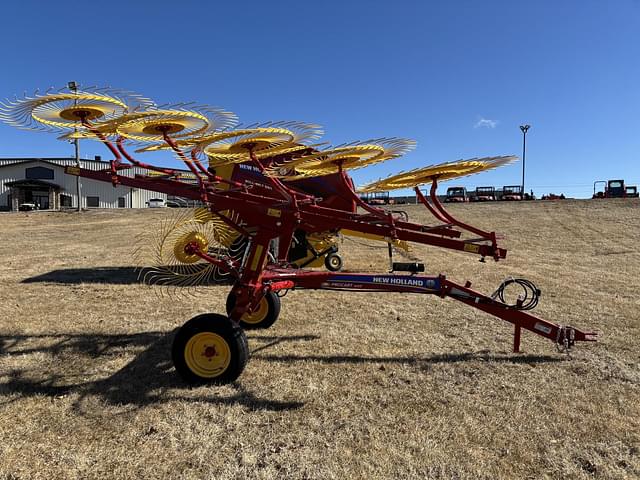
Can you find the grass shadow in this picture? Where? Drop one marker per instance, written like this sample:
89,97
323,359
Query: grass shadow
108,275
127,275
419,360
147,379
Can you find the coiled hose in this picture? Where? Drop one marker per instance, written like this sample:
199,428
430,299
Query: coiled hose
528,300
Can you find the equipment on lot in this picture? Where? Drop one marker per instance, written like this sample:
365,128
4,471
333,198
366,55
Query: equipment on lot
511,193
377,198
553,196
615,189
456,195
275,201
484,194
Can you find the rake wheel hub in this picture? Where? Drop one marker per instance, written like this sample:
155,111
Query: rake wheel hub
82,113
187,245
163,128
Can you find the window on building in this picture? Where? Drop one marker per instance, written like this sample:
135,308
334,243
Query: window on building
121,202
65,200
38,173
93,201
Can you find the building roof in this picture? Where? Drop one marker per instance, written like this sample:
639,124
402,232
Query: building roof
32,183
49,159
63,161
24,161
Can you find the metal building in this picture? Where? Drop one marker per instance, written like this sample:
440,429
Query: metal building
43,182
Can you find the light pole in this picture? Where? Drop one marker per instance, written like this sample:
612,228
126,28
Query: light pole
73,86
524,129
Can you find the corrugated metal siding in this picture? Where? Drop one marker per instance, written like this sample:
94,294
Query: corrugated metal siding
8,174
14,169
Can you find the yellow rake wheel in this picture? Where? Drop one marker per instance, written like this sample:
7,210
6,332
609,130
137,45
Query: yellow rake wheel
182,124
441,172
348,157
235,146
330,161
263,141
162,255
210,348
263,316
64,111
200,141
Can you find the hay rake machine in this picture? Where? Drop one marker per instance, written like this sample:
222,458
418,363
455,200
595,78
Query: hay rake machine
275,203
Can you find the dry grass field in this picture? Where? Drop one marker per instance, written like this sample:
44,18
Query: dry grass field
343,385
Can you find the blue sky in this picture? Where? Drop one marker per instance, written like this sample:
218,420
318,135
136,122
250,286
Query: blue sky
457,76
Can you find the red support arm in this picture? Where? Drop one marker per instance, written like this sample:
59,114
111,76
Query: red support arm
137,163
227,266
438,210
434,198
377,212
170,187
189,162
113,164
249,289
288,195
562,335
425,202
212,177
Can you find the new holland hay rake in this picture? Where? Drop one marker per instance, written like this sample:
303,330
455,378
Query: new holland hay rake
274,202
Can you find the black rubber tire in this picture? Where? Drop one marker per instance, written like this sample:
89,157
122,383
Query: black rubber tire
222,326
273,312
333,262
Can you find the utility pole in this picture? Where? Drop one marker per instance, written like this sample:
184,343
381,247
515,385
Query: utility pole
76,142
73,86
524,129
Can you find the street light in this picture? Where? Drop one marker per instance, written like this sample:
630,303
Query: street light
524,129
73,86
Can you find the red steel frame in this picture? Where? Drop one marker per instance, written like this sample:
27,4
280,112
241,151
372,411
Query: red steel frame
275,210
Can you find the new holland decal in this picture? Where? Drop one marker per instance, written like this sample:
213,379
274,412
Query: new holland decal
371,281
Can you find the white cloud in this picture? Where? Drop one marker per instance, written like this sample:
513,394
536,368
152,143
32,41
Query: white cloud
485,123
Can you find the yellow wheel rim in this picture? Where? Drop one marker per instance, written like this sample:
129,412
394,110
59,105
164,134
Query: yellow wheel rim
259,314
207,354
